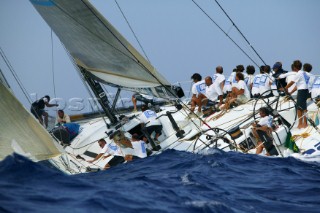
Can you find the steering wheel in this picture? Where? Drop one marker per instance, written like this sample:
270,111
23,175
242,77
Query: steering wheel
214,137
275,107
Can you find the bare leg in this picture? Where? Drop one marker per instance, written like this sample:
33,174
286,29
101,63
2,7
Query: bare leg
204,101
299,112
156,136
193,103
134,102
107,166
255,134
305,124
200,98
45,115
259,148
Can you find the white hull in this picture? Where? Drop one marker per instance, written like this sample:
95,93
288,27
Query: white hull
197,137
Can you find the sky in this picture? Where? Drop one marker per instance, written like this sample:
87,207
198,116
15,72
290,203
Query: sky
176,35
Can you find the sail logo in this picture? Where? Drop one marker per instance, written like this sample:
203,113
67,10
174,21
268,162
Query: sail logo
256,81
150,114
42,2
201,88
214,77
263,80
316,83
306,78
114,148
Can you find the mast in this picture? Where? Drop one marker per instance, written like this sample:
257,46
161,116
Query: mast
100,95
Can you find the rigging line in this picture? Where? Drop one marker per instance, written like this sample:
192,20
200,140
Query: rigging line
240,32
7,62
225,33
52,66
145,54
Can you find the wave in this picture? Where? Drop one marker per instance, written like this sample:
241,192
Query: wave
173,181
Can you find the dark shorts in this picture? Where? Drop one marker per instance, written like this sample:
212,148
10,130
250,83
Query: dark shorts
256,95
302,99
155,128
135,157
37,112
268,95
116,160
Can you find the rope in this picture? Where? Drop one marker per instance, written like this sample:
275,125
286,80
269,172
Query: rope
132,30
225,33
233,24
52,66
23,89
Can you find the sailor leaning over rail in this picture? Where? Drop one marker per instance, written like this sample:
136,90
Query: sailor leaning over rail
109,150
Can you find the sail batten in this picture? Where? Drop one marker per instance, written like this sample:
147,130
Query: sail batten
97,46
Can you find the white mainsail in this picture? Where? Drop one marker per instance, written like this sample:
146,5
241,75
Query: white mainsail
20,132
98,47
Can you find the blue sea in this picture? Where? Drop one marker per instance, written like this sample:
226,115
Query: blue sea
170,182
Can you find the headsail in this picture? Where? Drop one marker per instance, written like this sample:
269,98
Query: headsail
20,132
99,48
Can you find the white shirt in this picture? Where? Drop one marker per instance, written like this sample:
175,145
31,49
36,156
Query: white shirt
139,148
315,90
249,80
112,149
311,80
148,117
266,121
242,85
302,80
234,81
218,79
199,87
289,77
256,84
227,85
65,118
213,91
264,84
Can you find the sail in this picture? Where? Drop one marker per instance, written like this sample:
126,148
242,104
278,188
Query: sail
20,132
98,47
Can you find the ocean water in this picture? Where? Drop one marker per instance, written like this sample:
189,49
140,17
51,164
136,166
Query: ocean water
170,182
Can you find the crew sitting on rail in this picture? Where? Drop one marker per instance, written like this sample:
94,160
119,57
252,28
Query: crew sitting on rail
218,78
198,90
250,76
266,82
227,85
213,93
263,125
255,86
240,94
